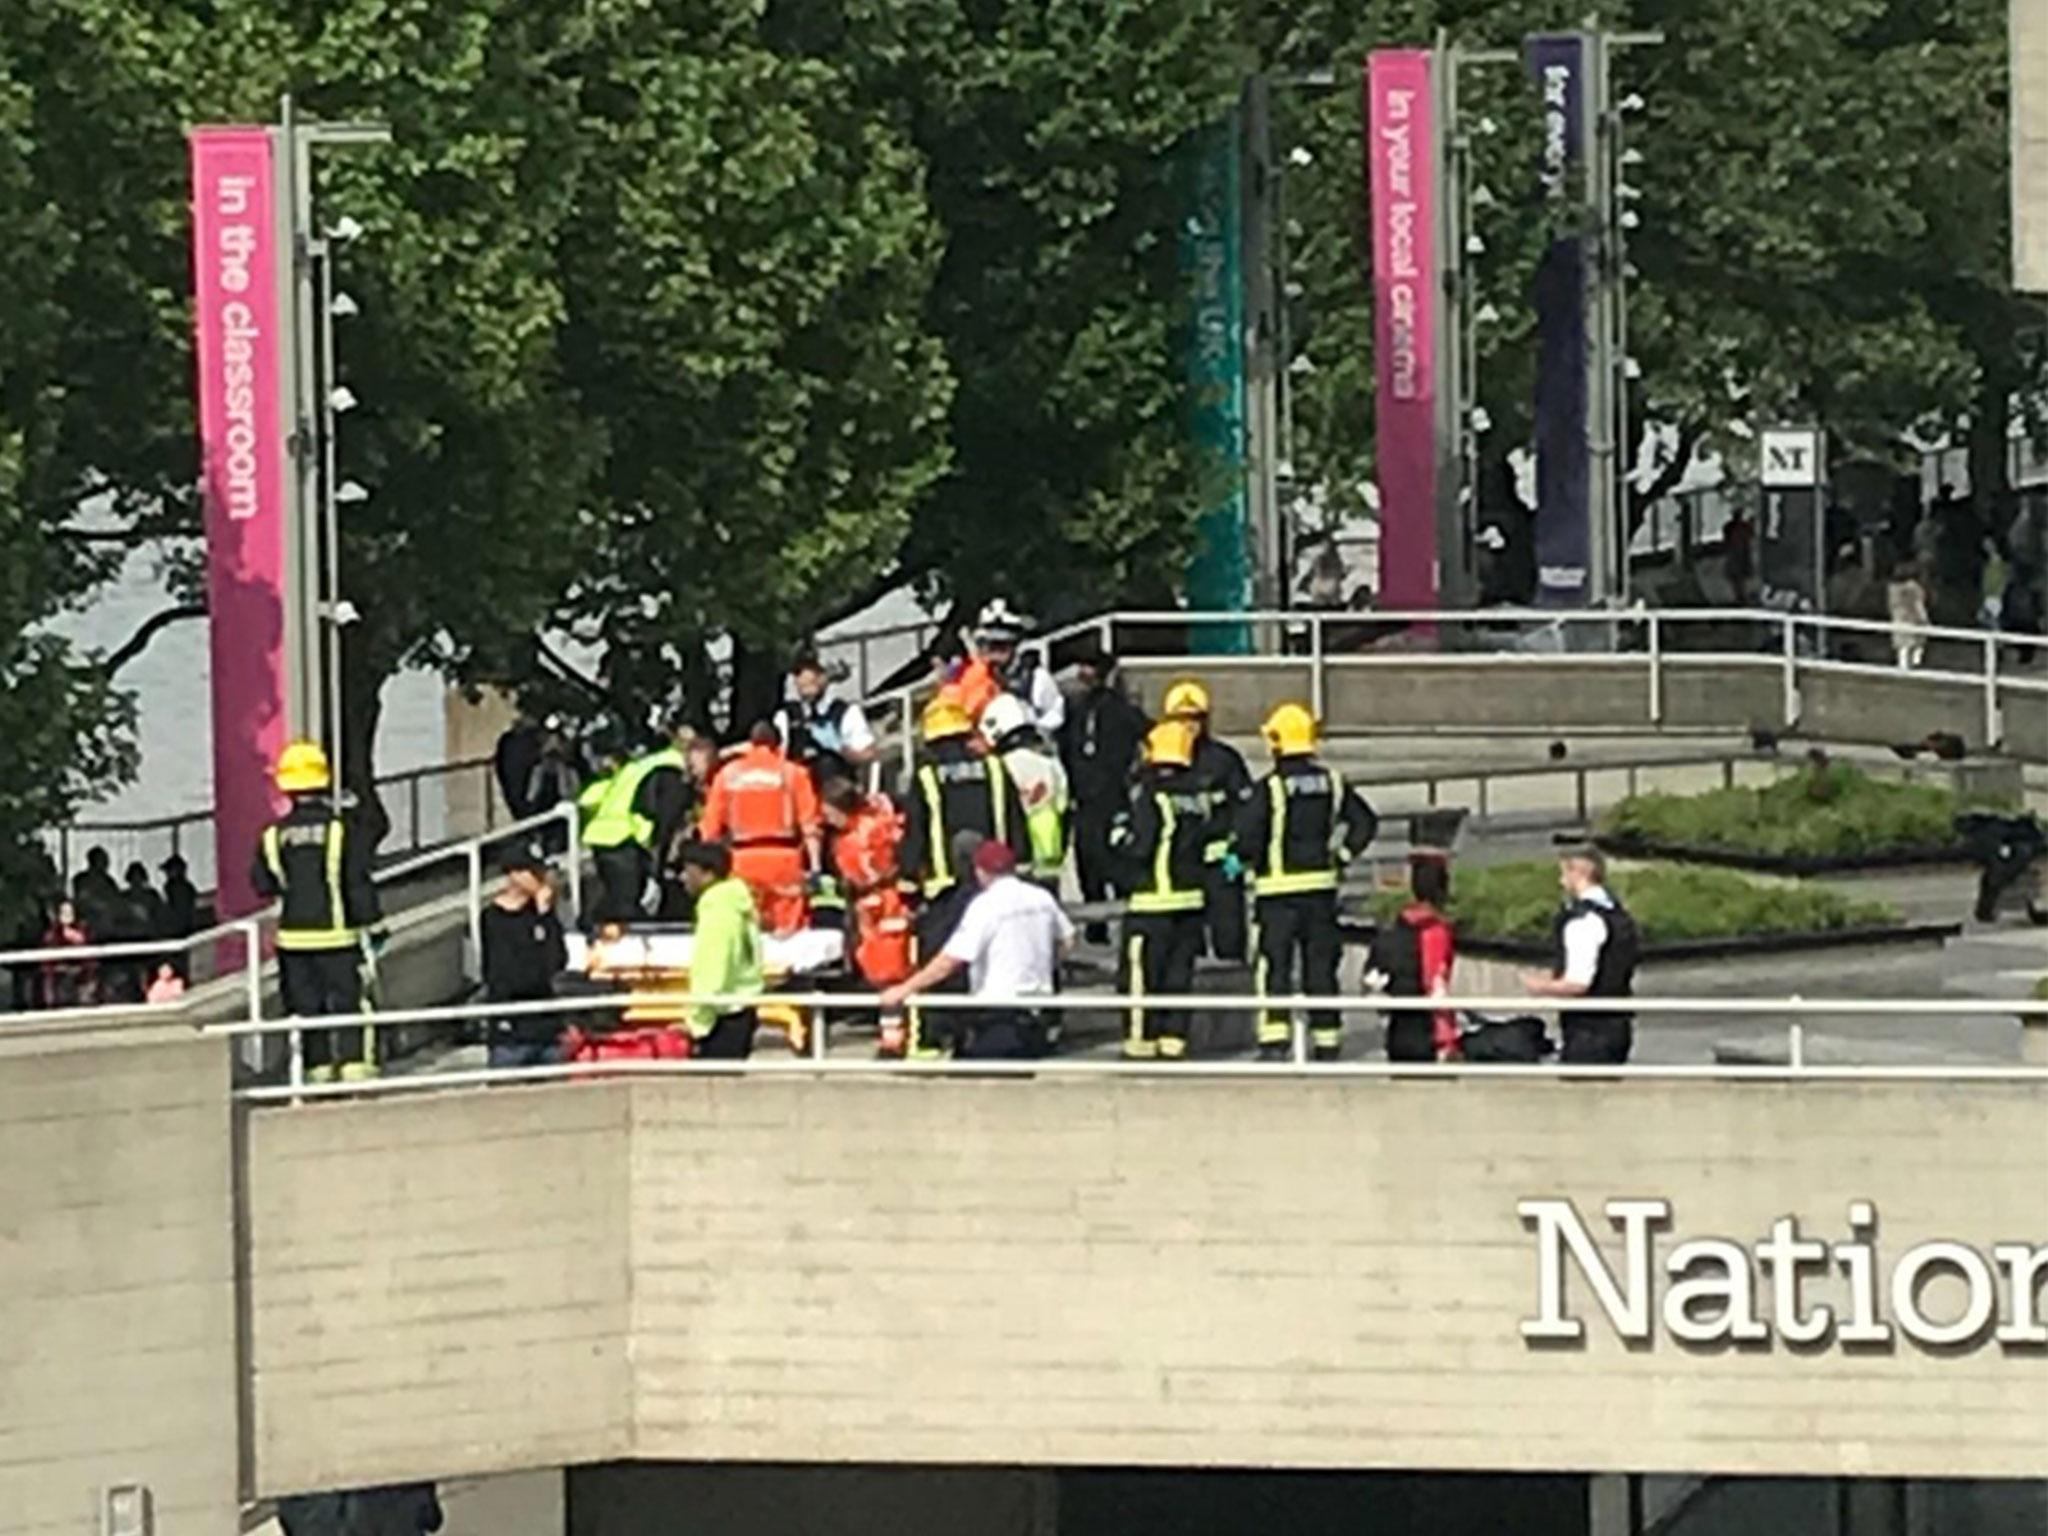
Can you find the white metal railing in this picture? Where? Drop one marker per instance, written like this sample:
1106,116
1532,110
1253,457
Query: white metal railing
246,933
820,1006
1797,643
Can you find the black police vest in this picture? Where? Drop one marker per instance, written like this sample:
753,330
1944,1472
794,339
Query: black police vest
1614,974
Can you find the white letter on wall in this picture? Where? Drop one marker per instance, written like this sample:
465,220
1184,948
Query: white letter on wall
1727,1281
1558,1228
1977,1311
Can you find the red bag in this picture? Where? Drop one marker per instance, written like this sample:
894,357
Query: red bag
660,1043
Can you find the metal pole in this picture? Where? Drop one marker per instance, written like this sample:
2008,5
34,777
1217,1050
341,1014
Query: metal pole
574,821
1656,642
1994,724
330,518
1789,629
907,726
1318,684
1261,386
252,963
473,858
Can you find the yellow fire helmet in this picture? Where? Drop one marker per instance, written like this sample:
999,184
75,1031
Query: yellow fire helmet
1171,743
1187,699
945,716
302,768
1290,731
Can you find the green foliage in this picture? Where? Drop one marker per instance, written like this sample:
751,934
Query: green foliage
1837,811
1669,902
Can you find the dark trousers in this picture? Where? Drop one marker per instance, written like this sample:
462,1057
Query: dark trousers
622,882
1001,1034
1225,912
321,981
1296,949
1411,1036
931,1031
1094,864
1158,958
731,1038
1597,1039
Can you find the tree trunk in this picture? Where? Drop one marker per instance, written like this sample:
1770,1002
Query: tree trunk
364,670
1990,459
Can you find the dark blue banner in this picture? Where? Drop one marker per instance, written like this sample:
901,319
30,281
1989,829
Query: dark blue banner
1564,513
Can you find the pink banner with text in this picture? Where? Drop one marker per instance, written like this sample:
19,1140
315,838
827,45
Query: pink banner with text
1400,165
242,477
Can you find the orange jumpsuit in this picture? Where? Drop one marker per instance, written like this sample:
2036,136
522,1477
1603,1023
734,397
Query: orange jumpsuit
865,853
766,808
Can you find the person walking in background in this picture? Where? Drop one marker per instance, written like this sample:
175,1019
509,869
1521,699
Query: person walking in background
1099,745
68,983
1595,948
1906,603
1738,555
139,917
181,900
1009,942
95,891
513,761
523,952
1413,957
725,959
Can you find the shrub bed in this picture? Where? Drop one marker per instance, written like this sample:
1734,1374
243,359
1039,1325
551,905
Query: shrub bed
1671,903
1829,815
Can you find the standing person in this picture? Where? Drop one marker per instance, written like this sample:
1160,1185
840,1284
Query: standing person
830,737
95,890
141,917
636,813
765,807
994,667
1099,746
523,953
1412,957
313,860
1595,948
1906,601
1009,941
1009,728
1738,555
181,899
26,975
1223,776
1302,825
725,960
867,838
513,761
1164,841
554,778
68,983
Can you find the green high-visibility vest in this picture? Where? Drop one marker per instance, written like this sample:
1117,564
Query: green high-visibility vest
615,821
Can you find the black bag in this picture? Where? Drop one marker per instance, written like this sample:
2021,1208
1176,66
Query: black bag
1520,1041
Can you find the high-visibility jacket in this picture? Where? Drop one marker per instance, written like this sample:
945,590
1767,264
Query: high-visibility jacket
957,789
1042,788
591,796
725,951
1163,840
761,799
620,818
1300,827
866,850
318,867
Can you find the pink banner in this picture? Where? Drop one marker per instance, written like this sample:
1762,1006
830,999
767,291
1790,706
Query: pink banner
1401,169
243,468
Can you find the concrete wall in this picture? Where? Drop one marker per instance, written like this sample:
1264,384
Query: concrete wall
1548,693
2030,145
1282,1273
117,1305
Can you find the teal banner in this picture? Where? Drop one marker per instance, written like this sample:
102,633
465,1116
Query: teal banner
1211,240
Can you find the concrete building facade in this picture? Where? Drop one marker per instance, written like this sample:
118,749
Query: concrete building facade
2030,145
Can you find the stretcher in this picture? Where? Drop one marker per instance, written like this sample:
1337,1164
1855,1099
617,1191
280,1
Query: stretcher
656,960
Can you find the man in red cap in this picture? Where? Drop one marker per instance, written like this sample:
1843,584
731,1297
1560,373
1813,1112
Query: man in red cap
1009,941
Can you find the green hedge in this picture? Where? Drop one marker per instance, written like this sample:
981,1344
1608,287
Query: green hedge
1831,812
1669,902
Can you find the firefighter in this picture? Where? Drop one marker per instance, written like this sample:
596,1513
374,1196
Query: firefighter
867,838
1163,842
632,821
1011,731
1295,834
317,866
1228,782
956,789
765,807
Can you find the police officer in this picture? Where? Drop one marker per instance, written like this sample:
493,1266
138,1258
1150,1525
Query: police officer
1222,773
1295,834
313,861
956,789
632,821
1163,841
1594,950
829,736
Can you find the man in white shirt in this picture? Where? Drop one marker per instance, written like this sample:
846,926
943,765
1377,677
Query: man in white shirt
1595,949
1009,941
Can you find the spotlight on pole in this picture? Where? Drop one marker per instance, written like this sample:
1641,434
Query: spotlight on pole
1631,369
1486,127
1486,315
1482,197
1633,103
341,400
344,229
1302,156
1632,157
1481,422
343,307
1630,219
1475,245
1302,366
350,493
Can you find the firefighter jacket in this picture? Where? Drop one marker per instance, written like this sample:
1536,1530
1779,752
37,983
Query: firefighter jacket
1163,841
1300,827
317,865
957,789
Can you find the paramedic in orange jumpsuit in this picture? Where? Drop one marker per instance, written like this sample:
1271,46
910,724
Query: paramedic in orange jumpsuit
766,809
868,829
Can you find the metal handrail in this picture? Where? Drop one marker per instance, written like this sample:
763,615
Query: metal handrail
248,929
